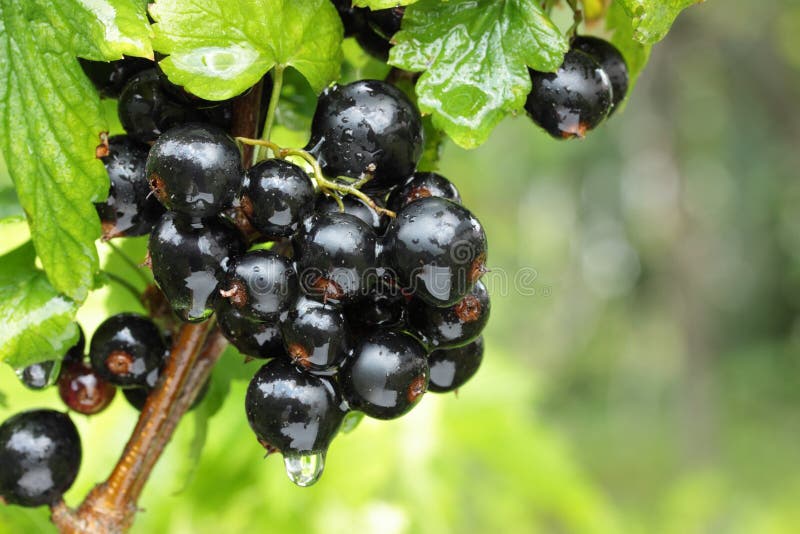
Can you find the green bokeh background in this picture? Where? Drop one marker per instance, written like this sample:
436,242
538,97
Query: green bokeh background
643,364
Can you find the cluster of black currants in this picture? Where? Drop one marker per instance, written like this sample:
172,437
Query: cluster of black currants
40,450
585,90
355,310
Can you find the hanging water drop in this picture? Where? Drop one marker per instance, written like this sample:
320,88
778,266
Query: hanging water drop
304,469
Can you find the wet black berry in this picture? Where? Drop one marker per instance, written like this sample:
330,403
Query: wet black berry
383,306
40,455
261,284
315,335
352,17
367,126
130,209
451,368
76,352
422,185
127,350
195,169
373,44
451,326
386,22
357,207
572,100
83,390
252,338
291,411
386,375
611,61
335,255
437,249
146,109
276,196
110,77
189,259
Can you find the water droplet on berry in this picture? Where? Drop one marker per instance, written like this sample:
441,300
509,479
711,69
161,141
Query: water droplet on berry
304,469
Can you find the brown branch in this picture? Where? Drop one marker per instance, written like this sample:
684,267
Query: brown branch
112,505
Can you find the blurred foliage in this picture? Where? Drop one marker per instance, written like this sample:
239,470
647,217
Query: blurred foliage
647,381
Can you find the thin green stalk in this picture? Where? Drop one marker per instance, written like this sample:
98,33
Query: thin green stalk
132,264
275,96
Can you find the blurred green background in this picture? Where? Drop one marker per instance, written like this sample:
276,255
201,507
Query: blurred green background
647,378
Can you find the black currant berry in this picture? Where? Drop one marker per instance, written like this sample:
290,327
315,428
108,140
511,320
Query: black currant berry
127,350
189,259
110,77
83,390
40,455
276,196
352,17
437,249
195,169
422,185
130,209
315,335
611,61
370,127
146,109
335,255
386,374
354,206
76,352
452,326
291,411
386,22
451,368
373,44
261,284
383,306
252,338
571,101
39,375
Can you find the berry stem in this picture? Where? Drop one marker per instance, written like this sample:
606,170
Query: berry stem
128,261
577,17
277,85
329,187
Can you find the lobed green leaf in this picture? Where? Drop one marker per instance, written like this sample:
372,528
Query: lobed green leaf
652,19
219,48
382,4
635,53
475,57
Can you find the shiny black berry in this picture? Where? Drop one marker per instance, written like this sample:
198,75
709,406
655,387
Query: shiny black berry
292,411
352,17
261,284
370,127
189,259
40,455
76,352
276,196
386,374
130,209
256,339
437,249
451,326
383,306
386,22
357,207
571,101
110,77
611,61
451,368
373,43
127,350
195,169
83,390
146,109
335,255
315,335
422,185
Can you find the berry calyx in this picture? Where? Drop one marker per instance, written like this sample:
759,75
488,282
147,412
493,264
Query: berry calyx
367,127
195,169
40,455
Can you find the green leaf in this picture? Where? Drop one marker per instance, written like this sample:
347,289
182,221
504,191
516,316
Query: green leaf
652,19
635,53
218,48
474,58
37,321
53,122
382,4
